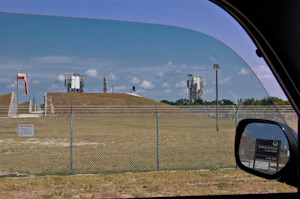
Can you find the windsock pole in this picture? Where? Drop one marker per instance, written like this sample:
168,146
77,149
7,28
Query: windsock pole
17,102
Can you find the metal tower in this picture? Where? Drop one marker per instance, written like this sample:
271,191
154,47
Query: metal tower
105,87
74,83
195,85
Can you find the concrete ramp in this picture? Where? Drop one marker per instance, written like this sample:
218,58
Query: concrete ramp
13,106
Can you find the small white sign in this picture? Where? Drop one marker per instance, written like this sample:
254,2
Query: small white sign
242,151
26,130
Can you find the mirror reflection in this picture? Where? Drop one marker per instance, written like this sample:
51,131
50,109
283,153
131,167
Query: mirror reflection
264,148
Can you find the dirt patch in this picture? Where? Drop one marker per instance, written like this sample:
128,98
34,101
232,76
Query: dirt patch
48,142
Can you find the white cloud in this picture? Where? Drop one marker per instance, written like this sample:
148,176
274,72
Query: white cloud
263,72
54,59
120,88
262,69
160,74
209,91
13,85
135,80
198,68
55,87
140,91
167,91
61,78
268,80
91,73
36,82
186,91
182,92
111,76
170,66
243,72
166,85
146,85
264,77
225,81
4,80
181,84
212,58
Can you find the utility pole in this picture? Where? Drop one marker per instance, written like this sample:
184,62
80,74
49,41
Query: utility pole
217,66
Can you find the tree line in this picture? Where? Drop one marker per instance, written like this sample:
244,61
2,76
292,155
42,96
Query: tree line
248,101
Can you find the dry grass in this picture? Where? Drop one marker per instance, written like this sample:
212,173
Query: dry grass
5,99
98,99
115,143
140,184
4,103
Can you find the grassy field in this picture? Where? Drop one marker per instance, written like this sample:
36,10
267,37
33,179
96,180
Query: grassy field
116,143
115,156
140,184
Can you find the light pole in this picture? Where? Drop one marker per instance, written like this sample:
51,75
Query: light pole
217,66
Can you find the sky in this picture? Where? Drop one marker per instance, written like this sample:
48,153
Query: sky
157,65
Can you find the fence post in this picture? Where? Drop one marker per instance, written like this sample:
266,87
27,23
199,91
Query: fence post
236,123
235,115
157,138
45,104
71,141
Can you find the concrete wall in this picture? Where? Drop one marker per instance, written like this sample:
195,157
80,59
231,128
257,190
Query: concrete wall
13,105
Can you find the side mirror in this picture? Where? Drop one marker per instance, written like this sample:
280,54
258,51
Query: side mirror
267,149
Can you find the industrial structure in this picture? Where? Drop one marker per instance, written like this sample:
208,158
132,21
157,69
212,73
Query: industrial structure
195,86
105,86
133,91
74,83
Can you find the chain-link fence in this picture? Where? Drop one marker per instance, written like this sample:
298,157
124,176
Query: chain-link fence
95,139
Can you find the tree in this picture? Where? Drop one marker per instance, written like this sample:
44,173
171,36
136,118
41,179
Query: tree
168,102
199,101
265,101
182,102
227,102
249,101
278,101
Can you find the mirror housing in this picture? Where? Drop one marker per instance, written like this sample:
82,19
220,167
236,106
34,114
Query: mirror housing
287,173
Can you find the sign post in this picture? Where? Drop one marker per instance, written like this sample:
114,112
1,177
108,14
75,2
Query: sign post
268,150
26,130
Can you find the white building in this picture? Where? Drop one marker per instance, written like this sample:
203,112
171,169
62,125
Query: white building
74,83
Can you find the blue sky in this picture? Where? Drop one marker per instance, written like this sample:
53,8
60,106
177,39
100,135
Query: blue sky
156,74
